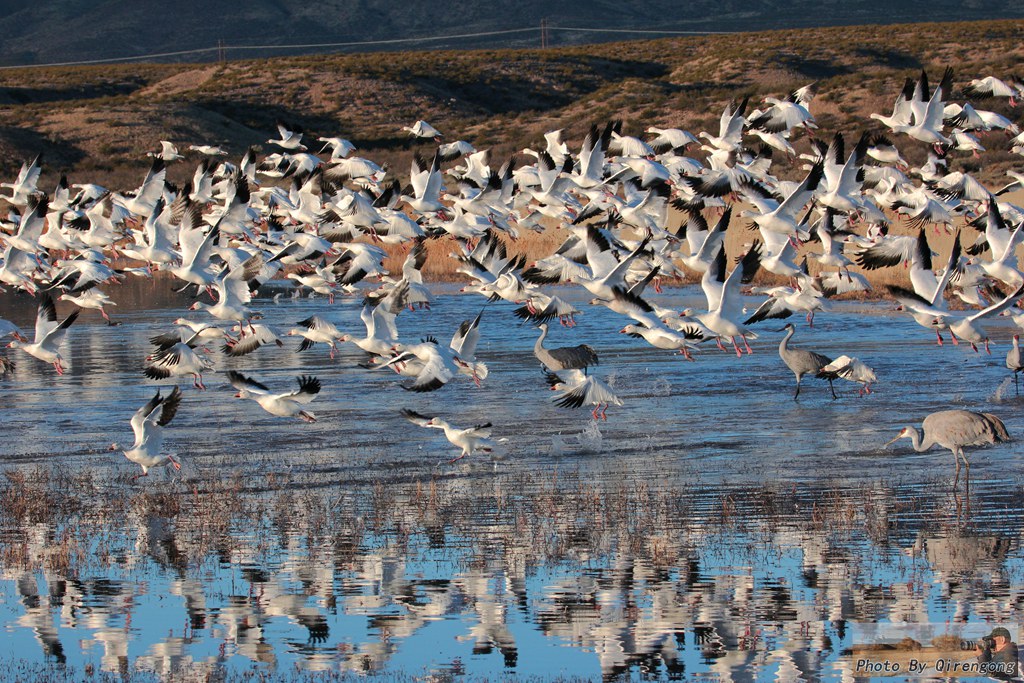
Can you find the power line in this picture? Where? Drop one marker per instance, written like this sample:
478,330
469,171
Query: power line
643,30
111,60
221,49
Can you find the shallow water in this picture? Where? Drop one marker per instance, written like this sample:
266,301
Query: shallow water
712,526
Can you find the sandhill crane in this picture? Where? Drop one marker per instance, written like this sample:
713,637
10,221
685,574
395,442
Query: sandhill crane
148,424
1014,361
564,357
802,362
469,440
954,429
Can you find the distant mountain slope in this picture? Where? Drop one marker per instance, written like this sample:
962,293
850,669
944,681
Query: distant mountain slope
98,122
71,30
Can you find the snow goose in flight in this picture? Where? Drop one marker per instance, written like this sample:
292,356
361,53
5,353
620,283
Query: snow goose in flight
426,185
1002,243
232,289
168,152
24,186
628,146
606,273
257,335
422,129
702,241
670,139
469,440
841,189
967,328
578,390
18,268
142,202
209,150
289,137
436,363
552,196
850,369
990,86
91,298
782,218
450,151
803,297
724,304
926,120
831,255
881,149
730,129
30,225
8,328
321,281
660,337
925,303
968,118
340,147
464,343
314,330
49,334
197,247
358,261
183,332
285,404
901,111
154,244
786,114
178,360
148,424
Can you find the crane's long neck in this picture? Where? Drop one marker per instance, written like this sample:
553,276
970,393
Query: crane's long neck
784,344
538,346
920,443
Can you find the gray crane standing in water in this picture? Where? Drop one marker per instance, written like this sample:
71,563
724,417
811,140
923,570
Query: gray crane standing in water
954,429
802,362
565,357
1014,362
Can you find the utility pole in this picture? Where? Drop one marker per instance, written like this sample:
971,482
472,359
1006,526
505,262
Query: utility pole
543,34
220,50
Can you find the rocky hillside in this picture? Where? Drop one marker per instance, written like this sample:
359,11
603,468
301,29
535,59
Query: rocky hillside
98,122
71,30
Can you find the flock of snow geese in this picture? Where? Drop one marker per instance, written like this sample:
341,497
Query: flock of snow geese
320,219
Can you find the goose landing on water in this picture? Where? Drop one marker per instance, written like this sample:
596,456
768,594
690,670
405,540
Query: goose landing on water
579,390
49,335
284,404
148,425
470,440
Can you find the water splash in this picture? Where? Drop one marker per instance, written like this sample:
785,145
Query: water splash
591,438
999,395
661,387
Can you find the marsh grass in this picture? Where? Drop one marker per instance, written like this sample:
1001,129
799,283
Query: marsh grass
542,517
